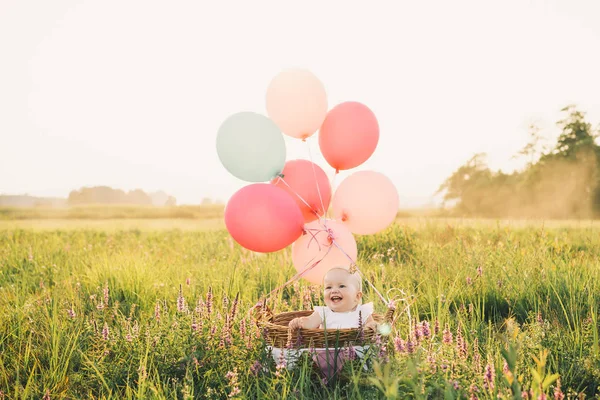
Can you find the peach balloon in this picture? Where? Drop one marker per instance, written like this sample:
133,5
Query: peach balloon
297,102
366,202
316,243
308,184
349,135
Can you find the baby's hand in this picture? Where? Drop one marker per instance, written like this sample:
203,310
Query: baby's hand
296,323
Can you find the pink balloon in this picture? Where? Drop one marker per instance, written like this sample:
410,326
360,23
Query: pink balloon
349,135
366,202
308,184
297,102
264,218
316,245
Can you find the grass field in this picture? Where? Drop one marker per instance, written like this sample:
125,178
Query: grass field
146,308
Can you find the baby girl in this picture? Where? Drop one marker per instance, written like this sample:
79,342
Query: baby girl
343,302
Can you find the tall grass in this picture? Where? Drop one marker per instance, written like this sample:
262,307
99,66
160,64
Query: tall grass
128,314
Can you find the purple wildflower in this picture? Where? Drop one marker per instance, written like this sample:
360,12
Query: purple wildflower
460,343
157,311
209,301
105,332
71,313
447,339
256,367
436,327
399,344
432,364
426,329
488,376
181,306
469,281
382,348
235,306
558,394
306,299
472,390
361,333
199,307
350,353
225,301
410,346
281,364
106,292
243,328
480,271
232,377
418,332
476,356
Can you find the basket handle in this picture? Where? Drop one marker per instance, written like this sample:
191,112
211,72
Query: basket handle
389,315
261,312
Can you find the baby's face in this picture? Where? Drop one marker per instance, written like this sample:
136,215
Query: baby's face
341,292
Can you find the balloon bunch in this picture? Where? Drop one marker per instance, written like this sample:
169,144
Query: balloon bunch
288,202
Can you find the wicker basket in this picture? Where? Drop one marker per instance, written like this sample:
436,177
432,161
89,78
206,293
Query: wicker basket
275,327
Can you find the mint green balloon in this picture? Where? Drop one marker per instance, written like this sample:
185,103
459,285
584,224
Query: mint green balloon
251,147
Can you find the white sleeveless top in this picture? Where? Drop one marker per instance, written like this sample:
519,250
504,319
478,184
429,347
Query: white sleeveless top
341,320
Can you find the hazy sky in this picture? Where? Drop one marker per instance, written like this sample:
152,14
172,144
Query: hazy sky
130,94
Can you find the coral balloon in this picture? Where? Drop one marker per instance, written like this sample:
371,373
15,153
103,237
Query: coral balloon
264,218
251,147
308,184
366,202
349,135
316,244
297,102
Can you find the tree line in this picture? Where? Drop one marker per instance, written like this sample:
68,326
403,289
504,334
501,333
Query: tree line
108,195
559,181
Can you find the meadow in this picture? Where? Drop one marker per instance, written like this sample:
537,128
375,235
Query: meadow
158,308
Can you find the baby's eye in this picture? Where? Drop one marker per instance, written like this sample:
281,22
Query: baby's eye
342,285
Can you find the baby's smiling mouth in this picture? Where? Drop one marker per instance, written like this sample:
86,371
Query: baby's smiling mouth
336,299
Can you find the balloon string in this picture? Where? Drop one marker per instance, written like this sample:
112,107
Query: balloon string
387,302
314,237
281,179
298,275
335,174
316,180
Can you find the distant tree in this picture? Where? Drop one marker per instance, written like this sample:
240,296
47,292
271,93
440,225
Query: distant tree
535,148
577,135
171,202
107,195
139,197
561,182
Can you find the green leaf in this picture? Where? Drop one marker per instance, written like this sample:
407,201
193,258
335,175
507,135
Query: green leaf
550,379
